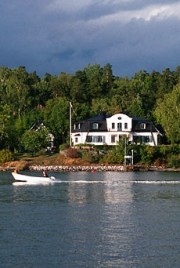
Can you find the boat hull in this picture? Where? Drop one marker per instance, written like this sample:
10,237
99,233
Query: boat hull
31,179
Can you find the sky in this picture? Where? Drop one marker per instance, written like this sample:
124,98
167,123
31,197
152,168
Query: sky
54,36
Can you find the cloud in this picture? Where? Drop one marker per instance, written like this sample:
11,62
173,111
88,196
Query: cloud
62,35
69,7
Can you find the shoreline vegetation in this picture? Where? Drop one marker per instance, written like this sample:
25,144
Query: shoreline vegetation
59,163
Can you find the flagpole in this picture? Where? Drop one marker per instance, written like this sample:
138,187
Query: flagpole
70,122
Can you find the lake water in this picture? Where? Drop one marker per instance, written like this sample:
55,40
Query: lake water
86,219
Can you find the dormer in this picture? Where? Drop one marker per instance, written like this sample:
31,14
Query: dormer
95,126
77,126
142,125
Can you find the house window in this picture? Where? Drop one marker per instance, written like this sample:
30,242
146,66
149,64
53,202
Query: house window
147,139
113,138
95,139
113,125
77,126
142,126
119,126
89,139
76,140
142,139
98,139
125,125
95,126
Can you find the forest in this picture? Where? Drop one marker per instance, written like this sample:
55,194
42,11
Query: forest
26,98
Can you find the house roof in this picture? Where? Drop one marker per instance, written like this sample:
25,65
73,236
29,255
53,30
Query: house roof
87,124
150,127
99,117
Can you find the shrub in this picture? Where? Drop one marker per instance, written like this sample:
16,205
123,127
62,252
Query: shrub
72,153
63,147
115,156
148,154
6,156
90,156
33,141
174,161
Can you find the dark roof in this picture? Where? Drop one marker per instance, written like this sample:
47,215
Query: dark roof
136,118
99,117
87,124
137,122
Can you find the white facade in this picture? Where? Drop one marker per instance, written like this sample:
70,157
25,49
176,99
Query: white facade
119,123
117,126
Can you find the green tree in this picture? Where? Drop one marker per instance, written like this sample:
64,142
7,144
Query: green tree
107,78
60,85
56,118
94,75
78,88
33,141
4,75
119,95
4,119
105,105
42,92
17,92
167,114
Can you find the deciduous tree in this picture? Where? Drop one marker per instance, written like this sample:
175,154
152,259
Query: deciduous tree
167,114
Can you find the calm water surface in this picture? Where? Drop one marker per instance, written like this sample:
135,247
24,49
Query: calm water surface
100,219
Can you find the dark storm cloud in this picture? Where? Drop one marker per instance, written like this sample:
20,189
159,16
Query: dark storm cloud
63,35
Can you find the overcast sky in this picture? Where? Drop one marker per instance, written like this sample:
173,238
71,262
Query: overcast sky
66,35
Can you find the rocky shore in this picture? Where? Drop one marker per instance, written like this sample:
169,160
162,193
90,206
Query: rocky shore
90,168
69,166
94,168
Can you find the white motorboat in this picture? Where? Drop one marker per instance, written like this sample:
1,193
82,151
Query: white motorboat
31,179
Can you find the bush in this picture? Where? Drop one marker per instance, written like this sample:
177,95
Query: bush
63,147
115,156
148,154
72,153
33,141
90,156
169,149
6,156
174,161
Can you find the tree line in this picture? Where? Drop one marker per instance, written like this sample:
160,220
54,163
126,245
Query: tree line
26,98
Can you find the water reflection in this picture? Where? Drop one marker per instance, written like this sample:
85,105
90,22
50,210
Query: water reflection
105,187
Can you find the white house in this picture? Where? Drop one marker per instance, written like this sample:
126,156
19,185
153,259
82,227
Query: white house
103,129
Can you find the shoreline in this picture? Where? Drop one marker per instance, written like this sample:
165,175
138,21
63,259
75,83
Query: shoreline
91,168
101,168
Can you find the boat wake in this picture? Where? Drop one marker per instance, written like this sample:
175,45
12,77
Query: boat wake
156,182
98,182
80,182
116,182
18,183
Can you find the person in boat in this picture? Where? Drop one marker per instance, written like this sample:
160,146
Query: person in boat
44,173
